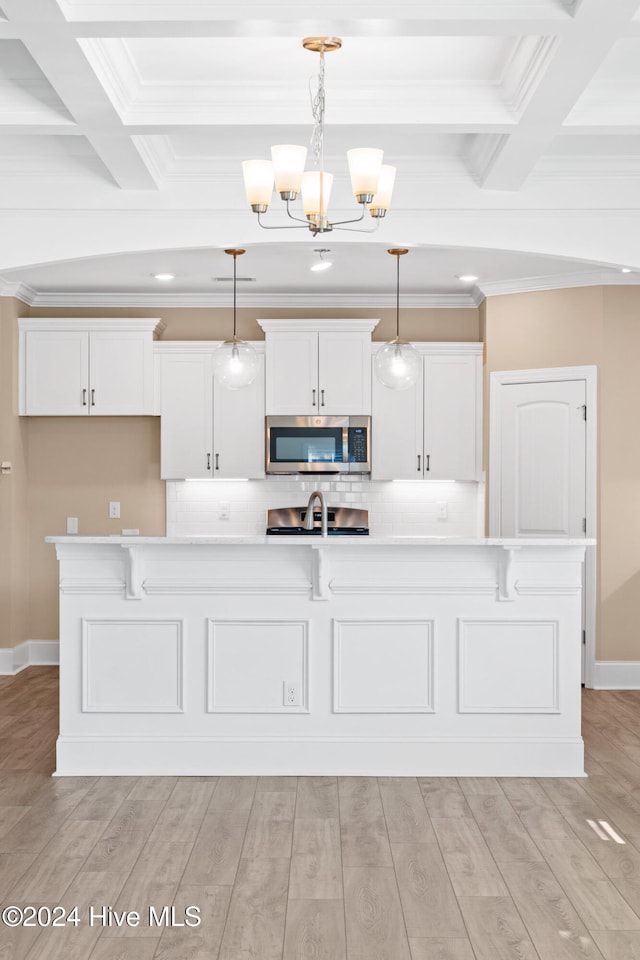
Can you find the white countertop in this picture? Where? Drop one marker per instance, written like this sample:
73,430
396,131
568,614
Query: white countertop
370,541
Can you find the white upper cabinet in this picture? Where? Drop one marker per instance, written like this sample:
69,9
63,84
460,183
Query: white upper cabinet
433,431
206,430
81,367
318,366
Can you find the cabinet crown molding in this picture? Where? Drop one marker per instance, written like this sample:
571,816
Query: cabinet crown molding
337,325
93,324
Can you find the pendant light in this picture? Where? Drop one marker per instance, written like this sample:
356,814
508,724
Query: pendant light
397,364
235,362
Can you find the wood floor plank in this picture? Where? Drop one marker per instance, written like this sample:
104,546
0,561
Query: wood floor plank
216,852
485,786
104,799
277,784
622,808
618,860
596,899
125,950
443,797
77,942
270,828
539,814
496,930
556,930
256,919
502,828
618,944
9,816
56,866
12,867
374,920
181,818
196,943
152,882
404,811
316,863
233,793
315,928
363,829
317,798
428,902
439,949
472,869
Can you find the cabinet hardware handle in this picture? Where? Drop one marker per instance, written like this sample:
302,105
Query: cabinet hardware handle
217,464
313,398
427,467
93,398
208,461
419,458
322,398
84,397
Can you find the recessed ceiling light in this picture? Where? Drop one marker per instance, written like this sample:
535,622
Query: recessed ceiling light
164,276
466,277
625,269
322,264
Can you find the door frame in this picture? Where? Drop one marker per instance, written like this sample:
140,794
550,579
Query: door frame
589,374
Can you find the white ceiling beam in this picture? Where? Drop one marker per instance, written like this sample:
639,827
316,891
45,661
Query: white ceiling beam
576,60
65,67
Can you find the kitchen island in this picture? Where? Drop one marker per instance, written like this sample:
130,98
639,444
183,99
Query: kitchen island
384,656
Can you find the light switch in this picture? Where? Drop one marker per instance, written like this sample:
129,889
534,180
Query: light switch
72,524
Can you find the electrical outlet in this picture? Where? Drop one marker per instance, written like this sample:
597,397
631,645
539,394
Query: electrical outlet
443,510
291,693
114,509
224,511
72,524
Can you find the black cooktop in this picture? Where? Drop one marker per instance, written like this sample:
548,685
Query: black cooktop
317,532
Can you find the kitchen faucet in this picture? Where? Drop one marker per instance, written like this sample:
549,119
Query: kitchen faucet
308,523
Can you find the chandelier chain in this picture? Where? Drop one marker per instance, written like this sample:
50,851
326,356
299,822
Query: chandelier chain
317,111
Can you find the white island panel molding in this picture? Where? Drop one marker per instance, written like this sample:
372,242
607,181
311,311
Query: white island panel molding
390,656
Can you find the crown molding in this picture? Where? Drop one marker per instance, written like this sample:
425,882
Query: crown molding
563,281
284,300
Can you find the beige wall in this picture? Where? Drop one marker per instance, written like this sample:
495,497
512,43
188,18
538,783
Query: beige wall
14,580
600,326
72,466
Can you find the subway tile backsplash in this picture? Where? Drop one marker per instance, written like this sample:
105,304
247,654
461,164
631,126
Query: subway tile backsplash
395,509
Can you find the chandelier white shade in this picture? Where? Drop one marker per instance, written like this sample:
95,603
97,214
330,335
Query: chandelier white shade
397,364
371,181
235,362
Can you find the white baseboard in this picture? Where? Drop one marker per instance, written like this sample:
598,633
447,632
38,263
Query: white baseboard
616,675
29,653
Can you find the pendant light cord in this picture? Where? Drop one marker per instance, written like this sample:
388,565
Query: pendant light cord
235,262
397,297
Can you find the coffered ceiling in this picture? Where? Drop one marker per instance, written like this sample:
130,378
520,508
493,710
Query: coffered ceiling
514,126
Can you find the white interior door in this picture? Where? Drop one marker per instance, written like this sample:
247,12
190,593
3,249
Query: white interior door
543,459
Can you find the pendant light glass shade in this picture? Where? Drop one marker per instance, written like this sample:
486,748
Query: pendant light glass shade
313,184
235,362
382,197
397,364
258,183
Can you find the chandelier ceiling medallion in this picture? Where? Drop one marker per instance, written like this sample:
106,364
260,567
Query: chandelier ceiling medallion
371,180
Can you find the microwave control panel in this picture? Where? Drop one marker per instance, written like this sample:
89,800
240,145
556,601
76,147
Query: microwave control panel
358,444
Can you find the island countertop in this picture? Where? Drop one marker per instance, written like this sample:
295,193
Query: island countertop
371,540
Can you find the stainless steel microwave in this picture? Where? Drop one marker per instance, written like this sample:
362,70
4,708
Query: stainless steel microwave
318,444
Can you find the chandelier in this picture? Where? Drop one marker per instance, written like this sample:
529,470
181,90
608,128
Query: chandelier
371,180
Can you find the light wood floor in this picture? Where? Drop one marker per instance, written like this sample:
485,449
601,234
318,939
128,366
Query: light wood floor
323,869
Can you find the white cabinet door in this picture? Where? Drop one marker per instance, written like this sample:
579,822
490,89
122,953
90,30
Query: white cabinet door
344,380
451,421
186,416
396,432
120,373
292,373
238,430
56,372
